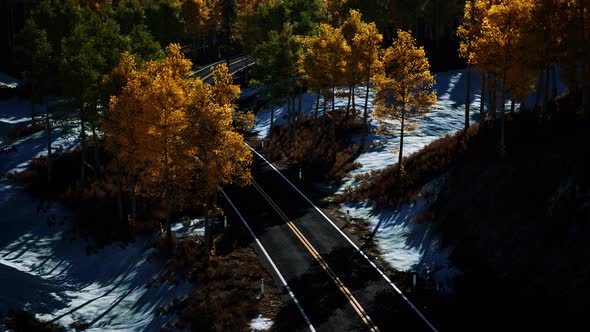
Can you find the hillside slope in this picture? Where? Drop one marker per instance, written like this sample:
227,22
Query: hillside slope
520,226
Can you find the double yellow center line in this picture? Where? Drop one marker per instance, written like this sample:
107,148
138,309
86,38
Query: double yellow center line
351,299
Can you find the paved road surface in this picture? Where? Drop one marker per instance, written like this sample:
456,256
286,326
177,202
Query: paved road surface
284,229
235,65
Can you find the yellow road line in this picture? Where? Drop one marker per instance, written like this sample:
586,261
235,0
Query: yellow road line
316,255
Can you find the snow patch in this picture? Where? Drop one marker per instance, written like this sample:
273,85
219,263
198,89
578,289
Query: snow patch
261,324
7,81
406,244
45,272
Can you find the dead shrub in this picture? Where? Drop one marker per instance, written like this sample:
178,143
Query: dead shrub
26,130
389,187
330,156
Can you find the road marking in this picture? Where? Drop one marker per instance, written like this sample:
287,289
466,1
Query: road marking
307,321
316,255
349,241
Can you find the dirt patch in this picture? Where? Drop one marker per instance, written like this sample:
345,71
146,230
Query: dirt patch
228,286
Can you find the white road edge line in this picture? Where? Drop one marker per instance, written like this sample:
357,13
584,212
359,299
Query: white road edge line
349,240
307,321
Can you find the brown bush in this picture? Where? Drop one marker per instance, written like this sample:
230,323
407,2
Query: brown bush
332,156
27,129
228,282
80,325
389,187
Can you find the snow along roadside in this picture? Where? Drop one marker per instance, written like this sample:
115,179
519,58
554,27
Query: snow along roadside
348,239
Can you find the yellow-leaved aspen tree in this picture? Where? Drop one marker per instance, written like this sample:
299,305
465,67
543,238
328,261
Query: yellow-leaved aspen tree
323,63
404,89
366,46
500,45
468,32
350,28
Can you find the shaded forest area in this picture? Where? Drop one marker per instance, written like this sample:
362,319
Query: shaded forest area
433,23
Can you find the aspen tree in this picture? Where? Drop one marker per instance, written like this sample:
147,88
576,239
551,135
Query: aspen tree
404,90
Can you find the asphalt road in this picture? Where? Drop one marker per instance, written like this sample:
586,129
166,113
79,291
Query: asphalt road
235,64
322,297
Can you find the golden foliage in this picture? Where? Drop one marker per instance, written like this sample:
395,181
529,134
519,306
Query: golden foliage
175,134
196,16
324,59
404,88
364,41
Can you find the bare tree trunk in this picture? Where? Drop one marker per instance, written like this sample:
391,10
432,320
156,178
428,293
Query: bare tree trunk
539,89
83,137
169,222
49,152
325,107
333,99
503,119
33,113
97,164
547,82
401,140
293,109
553,81
133,194
289,117
315,126
207,228
512,106
493,99
299,111
365,115
348,102
482,104
353,104
272,118
467,98
119,194
333,127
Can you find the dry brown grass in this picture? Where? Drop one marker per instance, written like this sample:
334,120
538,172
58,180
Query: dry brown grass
27,129
225,297
389,187
332,157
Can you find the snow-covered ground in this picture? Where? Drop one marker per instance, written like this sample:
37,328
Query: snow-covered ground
7,81
55,278
406,245
261,324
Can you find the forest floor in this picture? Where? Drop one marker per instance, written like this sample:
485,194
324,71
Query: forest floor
74,273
